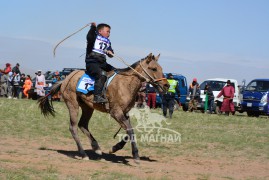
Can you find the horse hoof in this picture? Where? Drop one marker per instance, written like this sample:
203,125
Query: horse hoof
86,158
111,151
137,161
98,151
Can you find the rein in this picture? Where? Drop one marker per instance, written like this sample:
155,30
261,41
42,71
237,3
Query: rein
124,62
151,80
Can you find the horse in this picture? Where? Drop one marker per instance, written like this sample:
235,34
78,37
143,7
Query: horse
121,94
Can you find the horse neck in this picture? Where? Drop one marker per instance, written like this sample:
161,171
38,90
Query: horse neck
134,80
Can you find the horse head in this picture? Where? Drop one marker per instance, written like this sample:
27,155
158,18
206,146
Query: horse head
153,71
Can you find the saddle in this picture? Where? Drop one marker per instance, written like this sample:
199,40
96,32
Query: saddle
86,83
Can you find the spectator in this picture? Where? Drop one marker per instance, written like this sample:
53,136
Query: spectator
210,98
16,69
16,81
169,97
194,91
40,84
3,85
7,69
10,85
56,78
151,94
228,94
27,86
21,83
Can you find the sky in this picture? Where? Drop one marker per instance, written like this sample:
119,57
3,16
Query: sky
196,38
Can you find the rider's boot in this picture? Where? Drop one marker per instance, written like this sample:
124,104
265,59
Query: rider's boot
98,88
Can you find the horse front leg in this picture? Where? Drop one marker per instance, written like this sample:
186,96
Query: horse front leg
126,124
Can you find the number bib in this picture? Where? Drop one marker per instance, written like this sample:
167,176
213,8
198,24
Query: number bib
101,44
85,84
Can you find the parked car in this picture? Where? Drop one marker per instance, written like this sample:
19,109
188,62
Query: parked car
183,87
255,98
216,85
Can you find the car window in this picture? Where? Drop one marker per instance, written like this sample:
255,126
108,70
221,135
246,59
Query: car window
258,86
215,85
182,82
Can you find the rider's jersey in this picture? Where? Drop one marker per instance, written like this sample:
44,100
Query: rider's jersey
101,45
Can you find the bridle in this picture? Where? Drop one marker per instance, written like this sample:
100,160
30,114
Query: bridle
152,80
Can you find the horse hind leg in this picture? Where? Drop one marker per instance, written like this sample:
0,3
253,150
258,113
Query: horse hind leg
83,125
73,112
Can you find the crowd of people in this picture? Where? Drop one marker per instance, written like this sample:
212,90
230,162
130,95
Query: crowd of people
15,85
148,92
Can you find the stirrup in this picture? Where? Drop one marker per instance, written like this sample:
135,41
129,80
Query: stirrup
99,99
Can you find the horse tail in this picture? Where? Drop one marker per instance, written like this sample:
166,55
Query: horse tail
45,105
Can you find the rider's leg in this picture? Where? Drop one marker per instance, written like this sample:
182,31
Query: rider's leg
94,70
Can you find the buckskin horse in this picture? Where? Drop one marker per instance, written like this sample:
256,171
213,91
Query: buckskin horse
121,94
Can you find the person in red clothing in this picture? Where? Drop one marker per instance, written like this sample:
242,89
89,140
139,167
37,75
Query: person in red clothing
7,69
228,94
151,93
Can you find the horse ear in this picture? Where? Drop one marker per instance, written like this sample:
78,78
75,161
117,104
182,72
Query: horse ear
149,58
157,57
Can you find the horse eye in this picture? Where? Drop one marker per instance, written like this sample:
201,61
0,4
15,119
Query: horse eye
154,69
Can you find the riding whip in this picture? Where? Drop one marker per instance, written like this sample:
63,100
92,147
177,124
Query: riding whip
54,50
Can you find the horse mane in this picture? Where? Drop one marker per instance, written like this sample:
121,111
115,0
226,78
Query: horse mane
134,65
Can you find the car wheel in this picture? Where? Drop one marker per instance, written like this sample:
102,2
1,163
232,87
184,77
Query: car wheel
253,114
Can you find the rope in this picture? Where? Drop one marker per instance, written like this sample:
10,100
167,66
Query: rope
54,50
120,59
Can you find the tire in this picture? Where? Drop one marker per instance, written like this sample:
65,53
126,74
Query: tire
252,114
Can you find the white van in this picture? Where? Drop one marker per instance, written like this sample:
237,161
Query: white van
216,85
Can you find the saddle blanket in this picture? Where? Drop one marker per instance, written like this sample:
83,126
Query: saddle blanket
86,83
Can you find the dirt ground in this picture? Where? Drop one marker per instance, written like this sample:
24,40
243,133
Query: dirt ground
19,154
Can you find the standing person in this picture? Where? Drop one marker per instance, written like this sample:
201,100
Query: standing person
210,98
169,98
16,69
7,69
40,83
21,83
3,85
151,93
55,79
16,81
10,85
228,94
98,46
194,91
27,86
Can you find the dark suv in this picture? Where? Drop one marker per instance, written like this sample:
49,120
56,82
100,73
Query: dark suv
255,97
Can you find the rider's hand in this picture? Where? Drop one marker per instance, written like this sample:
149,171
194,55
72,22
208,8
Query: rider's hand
93,24
109,53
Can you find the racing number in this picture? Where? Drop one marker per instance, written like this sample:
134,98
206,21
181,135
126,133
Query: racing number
87,84
103,45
